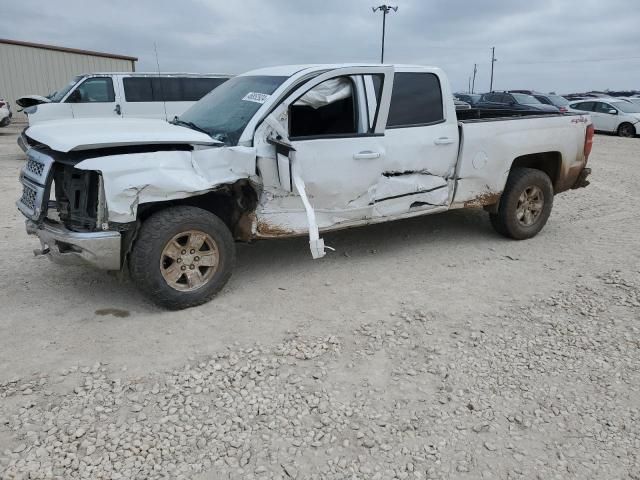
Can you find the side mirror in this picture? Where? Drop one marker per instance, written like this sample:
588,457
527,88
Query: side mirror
613,111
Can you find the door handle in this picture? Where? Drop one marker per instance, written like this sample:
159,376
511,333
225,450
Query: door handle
443,141
117,109
368,155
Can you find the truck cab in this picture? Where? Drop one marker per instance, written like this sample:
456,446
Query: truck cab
284,151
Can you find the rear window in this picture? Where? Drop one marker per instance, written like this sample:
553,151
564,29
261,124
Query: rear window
168,89
558,101
137,89
526,99
416,99
494,97
193,89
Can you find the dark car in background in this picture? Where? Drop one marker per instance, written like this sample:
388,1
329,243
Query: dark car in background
547,98
470,98
514,101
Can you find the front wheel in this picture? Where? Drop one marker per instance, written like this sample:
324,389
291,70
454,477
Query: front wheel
626,130
525,204
182,257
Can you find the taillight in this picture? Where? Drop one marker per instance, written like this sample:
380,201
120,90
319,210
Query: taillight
588,141
2,104
563,110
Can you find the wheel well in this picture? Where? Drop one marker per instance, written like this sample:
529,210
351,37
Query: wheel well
548,162
231,203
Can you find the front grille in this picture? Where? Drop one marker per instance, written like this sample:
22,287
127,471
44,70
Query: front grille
36,177
29,196
34,167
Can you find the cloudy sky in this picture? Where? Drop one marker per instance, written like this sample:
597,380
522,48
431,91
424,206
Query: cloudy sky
548,45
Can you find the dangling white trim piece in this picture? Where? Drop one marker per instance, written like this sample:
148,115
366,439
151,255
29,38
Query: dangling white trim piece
316,244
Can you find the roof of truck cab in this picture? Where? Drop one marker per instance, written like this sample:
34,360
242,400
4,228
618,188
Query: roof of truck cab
162,74
289,70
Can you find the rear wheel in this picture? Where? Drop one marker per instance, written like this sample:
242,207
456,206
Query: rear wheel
182,257
626,130
525,204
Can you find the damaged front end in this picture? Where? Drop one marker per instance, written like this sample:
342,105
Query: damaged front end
72,225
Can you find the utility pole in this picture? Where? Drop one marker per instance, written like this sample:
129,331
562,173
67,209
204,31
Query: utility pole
469,89
385,9
493,61
473,84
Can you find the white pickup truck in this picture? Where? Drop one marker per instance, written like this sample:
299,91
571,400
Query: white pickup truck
284,151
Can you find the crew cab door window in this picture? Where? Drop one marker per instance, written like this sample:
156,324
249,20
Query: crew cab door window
94,97
329,109
416,100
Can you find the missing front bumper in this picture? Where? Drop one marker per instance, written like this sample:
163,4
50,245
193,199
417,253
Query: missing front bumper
97,249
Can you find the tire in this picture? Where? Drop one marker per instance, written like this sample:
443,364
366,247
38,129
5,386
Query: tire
175,277
525,204
626,130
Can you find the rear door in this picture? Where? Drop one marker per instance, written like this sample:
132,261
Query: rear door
421,144
94,97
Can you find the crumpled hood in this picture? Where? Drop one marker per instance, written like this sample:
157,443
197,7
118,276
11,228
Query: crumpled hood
91,133
30,100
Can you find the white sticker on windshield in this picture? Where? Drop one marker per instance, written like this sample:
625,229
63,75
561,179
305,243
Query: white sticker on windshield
256,97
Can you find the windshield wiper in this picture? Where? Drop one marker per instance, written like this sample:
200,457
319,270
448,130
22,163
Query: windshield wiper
191,125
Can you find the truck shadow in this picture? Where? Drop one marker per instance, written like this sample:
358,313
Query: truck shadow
376,241
258,264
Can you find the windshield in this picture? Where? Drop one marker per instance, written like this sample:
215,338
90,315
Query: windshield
59,95
523,99
225,112
558,101
627,107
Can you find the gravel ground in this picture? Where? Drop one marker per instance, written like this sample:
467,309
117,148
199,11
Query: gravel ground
427,348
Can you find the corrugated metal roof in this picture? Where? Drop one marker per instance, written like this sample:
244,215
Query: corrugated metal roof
69,50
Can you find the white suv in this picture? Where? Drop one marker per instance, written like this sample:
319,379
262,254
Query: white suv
118,95
613,115
5,113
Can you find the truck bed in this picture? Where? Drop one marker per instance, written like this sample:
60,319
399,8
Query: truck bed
489,149
497,114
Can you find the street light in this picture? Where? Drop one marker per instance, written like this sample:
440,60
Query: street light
385,9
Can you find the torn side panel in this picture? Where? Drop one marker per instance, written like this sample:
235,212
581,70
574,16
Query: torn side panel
393,186
134,179
398,193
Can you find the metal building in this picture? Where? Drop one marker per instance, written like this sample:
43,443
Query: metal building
32,68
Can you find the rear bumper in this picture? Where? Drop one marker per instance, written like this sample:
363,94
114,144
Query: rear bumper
582,181
97,249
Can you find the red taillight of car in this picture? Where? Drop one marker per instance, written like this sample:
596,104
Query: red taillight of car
2,104
588,141
564,109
